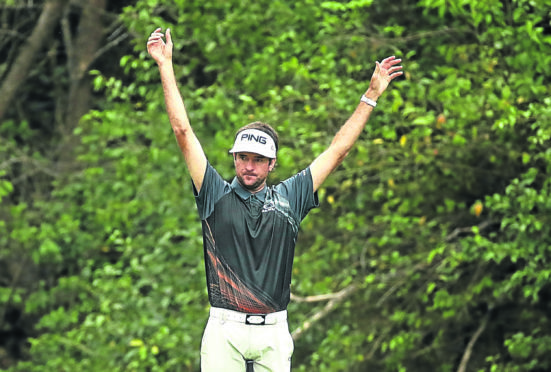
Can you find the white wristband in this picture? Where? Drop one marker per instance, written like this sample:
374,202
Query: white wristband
369,101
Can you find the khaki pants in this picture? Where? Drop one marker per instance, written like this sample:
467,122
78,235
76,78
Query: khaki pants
228,342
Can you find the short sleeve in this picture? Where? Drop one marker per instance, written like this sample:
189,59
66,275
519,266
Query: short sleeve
212,189
299,190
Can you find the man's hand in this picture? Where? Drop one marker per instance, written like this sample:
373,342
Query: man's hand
385,72
157,48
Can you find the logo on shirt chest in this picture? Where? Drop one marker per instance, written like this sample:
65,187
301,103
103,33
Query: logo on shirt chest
268,206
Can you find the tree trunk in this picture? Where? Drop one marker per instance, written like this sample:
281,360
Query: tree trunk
50,15
81,51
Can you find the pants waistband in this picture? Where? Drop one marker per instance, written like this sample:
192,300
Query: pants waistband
252,319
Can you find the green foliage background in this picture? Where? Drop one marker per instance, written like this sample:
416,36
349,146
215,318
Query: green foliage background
439,219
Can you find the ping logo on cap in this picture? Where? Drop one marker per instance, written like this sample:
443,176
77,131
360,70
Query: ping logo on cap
255,141
252,137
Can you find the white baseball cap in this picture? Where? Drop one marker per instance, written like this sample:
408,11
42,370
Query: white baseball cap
255,141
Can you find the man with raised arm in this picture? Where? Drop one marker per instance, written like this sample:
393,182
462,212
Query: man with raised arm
249,228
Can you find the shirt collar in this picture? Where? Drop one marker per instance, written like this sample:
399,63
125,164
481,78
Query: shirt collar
244,193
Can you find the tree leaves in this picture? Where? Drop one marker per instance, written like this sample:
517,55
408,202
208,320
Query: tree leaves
438,219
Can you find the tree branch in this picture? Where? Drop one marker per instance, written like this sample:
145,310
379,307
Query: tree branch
317,298
13,287
470,345
397,285
375,346
469,229
335,299
29,167
113,43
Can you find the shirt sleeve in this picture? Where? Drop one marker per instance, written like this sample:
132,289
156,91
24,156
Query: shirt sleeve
299,190
212,189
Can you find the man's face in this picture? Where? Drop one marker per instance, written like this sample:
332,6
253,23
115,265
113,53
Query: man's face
252,170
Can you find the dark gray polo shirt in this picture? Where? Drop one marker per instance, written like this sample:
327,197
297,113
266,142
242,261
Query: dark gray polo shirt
249,240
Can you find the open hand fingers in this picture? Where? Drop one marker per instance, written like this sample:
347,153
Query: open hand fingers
155,35
389,61
387,67
394,71
385,71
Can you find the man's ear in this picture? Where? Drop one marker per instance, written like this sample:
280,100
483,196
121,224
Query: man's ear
272,165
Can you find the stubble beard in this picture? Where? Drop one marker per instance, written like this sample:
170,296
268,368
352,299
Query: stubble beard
253,187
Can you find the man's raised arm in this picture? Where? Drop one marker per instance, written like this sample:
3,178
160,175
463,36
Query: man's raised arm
194,156
347,135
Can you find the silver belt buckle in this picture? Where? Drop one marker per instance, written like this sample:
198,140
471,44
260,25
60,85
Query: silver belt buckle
255,319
